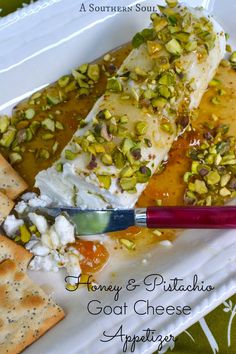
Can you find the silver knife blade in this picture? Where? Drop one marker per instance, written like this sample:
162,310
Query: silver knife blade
92,222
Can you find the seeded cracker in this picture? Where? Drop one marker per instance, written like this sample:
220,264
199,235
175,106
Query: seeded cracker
26,312
12,184
6,206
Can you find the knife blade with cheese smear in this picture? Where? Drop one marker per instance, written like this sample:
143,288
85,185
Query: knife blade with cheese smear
131,128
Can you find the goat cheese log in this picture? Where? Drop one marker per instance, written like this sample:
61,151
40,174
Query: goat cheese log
131,128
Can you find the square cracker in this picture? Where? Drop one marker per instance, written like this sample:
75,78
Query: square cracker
10,181
9,249
6,205
26,312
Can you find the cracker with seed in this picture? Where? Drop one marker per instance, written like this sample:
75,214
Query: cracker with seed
10,250
6,205
26,312
10,181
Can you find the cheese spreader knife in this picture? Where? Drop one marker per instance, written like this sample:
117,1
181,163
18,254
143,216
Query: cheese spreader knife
91,222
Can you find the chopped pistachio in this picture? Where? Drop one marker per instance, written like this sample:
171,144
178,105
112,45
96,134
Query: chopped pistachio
225,63
215,100
105,181
29,113
83,68
107,57
167,79
83,92
43,154
55,147
191,46
159,102
164,91
127,145
33,229
59,125
159,202
113,84
71,86
47,136
149,94
8,137
25,235
174,47
225,180
139,71
124,119
128,183
153,48
69,155
48,124
213,178
224,192
143,175
34,126
106,159
52,100
64,81
137,40
119,159
130,245
167,128
157,233
221,92
214,82
228,48
141,127
159,24
200,187
59,167
172,3
15,157
127,171
4,123
35,96
93,72
233,58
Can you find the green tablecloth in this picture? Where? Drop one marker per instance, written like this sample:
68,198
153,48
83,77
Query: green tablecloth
216,332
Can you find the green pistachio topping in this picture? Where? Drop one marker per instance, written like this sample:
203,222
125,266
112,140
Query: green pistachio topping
8,137
141,128
174,47
113,84
128,183
70,155
105,181
29,113
48,124
4,123
130,245
15,157
93,72
63,81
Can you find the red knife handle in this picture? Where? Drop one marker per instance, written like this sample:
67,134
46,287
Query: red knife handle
191,217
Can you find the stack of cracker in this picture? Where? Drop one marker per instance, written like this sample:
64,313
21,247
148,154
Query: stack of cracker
11,186
26,312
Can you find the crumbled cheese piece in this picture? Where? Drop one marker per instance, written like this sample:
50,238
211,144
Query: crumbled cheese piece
20,207
40,202
11,225
39,221
47,263
40,250
27,196
64,229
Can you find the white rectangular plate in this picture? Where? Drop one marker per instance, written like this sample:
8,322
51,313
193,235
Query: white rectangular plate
37,45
